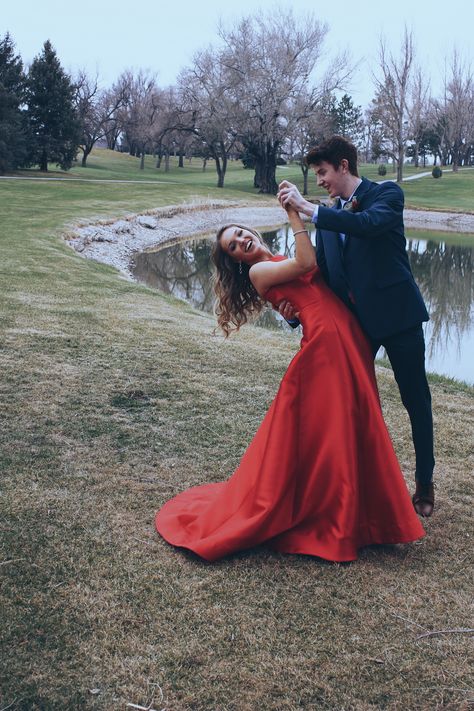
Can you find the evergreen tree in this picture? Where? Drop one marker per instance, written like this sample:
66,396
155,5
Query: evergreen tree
347,118
12,86
54,127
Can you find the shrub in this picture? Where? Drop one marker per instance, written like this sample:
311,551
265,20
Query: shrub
436,172
382,169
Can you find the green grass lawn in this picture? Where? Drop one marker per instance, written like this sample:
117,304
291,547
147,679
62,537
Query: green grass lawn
114,398
454,191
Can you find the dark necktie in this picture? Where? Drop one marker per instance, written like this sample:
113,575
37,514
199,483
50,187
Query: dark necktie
342,236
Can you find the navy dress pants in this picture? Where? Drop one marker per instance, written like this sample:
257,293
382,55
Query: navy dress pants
406,352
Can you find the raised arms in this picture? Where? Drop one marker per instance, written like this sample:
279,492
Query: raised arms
266,274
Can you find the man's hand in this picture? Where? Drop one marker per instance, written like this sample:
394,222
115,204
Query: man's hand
290,197
287,311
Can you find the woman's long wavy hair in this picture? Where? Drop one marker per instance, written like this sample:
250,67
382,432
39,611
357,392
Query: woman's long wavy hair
236,297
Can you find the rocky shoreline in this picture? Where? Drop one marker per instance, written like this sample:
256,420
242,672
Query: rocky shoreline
115,242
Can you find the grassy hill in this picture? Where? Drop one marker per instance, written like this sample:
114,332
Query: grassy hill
114,398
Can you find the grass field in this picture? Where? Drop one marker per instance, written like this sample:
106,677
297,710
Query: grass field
454,191
114,398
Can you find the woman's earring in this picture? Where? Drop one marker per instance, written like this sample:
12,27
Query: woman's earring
240,267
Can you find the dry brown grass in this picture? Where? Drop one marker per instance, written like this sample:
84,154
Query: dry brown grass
111,407
114,398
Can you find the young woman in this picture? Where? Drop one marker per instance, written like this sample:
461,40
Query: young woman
320,477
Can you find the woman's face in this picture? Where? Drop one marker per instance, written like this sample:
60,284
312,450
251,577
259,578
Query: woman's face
242,245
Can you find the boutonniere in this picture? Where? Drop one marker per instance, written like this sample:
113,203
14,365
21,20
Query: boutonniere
352,205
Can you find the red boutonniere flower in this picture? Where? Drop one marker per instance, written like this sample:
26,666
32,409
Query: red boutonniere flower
352,205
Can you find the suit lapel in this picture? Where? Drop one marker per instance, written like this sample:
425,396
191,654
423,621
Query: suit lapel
359,194
338,206
362,189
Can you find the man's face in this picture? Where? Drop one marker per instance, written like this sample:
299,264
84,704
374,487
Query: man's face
332,180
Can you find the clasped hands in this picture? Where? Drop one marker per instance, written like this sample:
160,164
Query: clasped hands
290,197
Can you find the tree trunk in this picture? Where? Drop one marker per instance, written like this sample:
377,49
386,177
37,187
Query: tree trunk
221,170
142,160
85,154
265,168
204,163
44,162
400,159
456,157
257,175
416,155
159,155
181,160
304,170
220,177
112,141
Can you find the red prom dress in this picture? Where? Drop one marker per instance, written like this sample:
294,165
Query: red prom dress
320,477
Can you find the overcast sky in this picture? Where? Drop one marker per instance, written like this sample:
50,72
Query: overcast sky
108,37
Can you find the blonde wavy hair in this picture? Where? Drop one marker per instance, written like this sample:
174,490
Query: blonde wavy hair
236,297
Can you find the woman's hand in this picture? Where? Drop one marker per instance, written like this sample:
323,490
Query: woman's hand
288,194
291,212
289,209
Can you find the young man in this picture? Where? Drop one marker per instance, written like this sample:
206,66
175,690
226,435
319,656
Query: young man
361,250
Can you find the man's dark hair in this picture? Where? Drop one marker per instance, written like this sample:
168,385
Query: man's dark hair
333,151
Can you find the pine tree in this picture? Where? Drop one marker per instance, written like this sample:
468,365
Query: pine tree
348,118
12,127
54,127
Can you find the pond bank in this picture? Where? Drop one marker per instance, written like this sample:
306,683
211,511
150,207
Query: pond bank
115,242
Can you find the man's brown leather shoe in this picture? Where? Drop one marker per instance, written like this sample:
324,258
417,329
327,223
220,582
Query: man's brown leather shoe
423,499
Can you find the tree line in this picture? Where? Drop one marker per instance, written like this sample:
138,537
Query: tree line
261,94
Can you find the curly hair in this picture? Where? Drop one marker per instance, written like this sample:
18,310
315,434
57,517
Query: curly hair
236,297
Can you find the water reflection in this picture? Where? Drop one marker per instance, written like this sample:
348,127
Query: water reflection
443,270
444,273
185,271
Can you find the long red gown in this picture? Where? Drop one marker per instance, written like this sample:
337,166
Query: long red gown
320,477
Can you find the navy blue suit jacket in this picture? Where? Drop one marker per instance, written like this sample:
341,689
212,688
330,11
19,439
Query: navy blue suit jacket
371,271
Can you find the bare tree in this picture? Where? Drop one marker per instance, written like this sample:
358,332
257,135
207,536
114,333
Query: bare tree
206,88
269,60
139,112
173,125
372,139
418,102
112,102
455,113
308,126
95,109
392,93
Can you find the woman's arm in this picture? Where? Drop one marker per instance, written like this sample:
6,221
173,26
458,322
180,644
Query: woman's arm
267,274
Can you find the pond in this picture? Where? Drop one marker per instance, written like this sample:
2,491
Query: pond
442,265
